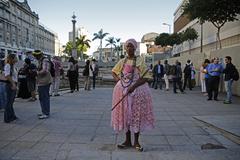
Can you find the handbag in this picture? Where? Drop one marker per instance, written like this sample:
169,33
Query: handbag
3,78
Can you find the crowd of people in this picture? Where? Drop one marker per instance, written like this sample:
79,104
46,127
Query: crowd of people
39,75
164,73
89,73
211,72
210,75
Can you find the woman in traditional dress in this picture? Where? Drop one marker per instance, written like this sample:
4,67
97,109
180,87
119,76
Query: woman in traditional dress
134,113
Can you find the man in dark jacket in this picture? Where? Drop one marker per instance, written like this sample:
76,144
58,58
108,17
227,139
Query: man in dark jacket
187,75
158,73
228,79
177,77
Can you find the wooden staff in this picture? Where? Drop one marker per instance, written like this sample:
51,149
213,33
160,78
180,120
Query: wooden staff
126,94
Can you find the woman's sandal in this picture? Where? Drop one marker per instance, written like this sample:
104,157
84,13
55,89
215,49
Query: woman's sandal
123,146
138,148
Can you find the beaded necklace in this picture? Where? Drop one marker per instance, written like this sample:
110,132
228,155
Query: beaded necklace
126,80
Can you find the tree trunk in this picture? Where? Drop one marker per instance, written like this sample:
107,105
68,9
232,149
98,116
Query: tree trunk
201,38
189,46
218,38
117,55
111,53
100,51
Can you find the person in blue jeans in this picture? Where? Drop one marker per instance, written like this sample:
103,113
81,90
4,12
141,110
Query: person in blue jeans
10,74
228,79
2,85
44,79
2,95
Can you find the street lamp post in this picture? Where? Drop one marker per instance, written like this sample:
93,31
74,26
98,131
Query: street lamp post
74,51
169,27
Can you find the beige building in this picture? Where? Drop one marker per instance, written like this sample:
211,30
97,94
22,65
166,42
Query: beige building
20,30
230,33
58,46
149,39
106,54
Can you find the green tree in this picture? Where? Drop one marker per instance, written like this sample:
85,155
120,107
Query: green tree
68,48
190,34
100,35
218,12
163,39
82,45
111,41
176,38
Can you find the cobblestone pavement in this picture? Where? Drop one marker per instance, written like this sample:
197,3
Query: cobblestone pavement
79,129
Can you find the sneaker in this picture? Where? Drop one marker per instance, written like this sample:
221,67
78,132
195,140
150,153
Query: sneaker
43,116
209,99
227,102
205,94
32,99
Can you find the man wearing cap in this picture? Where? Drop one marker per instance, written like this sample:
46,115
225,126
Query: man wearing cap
44,80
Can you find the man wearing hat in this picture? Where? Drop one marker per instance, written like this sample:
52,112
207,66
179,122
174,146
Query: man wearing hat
44,80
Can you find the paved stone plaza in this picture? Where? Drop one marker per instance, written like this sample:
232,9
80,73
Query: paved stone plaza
79,129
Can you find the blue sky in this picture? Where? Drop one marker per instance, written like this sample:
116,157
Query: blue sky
120,18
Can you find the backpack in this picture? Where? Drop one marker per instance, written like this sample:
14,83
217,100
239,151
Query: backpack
86,70
32,71
235,74
52,69
187,70
172,70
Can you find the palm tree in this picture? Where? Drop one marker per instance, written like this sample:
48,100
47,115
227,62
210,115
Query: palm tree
111,41
82,45
118,47
68,48
100,35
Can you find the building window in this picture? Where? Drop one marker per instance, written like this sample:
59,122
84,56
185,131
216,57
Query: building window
8,37
8,27
1,12
1,36
7,16
1,24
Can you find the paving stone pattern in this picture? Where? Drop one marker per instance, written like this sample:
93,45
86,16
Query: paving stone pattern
79,129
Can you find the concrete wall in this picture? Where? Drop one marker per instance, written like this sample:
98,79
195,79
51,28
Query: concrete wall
229,35
197,60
